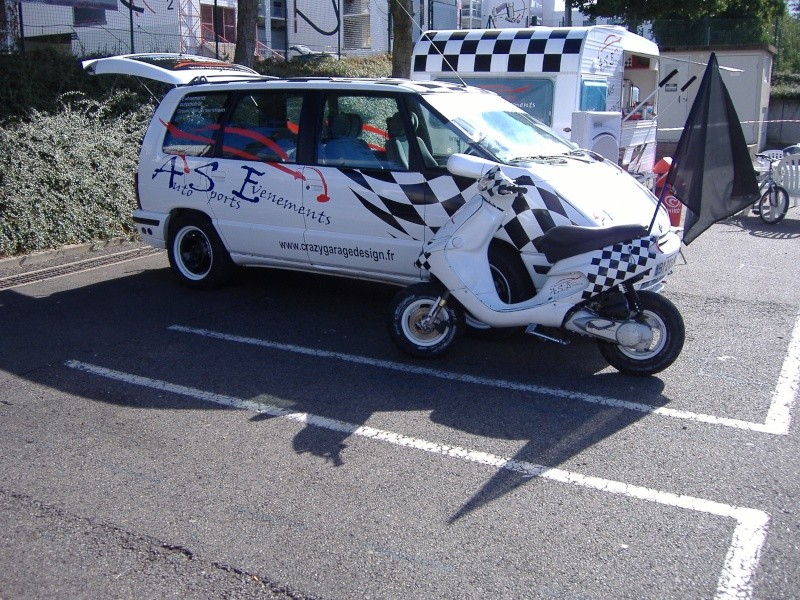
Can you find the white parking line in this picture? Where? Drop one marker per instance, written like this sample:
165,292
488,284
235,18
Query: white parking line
777,423
779,415
749,535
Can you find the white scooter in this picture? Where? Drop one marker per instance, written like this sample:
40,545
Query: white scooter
590,289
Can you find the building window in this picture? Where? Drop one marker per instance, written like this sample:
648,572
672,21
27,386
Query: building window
226,23
356,21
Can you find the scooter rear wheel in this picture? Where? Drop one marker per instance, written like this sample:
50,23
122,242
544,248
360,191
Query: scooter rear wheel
669,334
407,326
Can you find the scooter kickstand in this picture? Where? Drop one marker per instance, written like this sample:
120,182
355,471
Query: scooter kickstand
531,329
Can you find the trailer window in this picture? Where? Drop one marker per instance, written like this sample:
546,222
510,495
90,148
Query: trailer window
534,96
593,94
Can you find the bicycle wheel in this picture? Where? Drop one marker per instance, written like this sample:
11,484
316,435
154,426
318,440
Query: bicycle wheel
773,205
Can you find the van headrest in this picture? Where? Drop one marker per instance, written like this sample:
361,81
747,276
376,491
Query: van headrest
345,125
395,126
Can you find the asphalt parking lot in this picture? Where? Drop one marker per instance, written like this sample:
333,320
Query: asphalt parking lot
267,440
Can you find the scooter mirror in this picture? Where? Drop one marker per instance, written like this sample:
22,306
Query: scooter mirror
469,166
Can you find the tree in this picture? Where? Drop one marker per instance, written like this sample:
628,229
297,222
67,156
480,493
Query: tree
402,22
789,44
648,10
9,26
246,19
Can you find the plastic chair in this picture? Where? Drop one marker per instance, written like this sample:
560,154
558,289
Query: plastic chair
773,154
788,176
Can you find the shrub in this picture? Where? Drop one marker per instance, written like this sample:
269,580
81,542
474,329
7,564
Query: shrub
71,142
785,85
369,66
33,81
67,177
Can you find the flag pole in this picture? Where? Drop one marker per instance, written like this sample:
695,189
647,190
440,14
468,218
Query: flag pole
660,201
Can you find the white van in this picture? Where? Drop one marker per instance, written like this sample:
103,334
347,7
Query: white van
584,82
348,176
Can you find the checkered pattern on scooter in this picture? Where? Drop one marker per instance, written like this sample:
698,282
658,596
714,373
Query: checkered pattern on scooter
612,266
499,50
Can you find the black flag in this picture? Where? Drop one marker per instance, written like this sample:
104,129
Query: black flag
712,172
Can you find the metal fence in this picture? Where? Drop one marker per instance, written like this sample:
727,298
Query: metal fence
86,31
714,32
338,27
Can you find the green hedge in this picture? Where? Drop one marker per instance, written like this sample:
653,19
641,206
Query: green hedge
71,141
67,177
371,66
785,85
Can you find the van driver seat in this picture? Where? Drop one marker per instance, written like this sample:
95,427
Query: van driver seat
343,147
397,147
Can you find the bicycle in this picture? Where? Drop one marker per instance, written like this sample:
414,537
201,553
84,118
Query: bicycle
774,202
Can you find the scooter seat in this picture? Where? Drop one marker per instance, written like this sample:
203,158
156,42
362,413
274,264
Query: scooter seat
564,241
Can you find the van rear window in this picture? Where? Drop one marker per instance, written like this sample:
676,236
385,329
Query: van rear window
192,131
263,126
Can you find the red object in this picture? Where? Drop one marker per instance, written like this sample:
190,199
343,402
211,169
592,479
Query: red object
671,203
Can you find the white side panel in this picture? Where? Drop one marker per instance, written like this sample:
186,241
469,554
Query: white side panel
598,131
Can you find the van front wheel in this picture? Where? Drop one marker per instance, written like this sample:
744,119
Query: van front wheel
196,253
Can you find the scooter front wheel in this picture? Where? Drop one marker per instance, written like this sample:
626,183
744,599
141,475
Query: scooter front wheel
414,329
668,335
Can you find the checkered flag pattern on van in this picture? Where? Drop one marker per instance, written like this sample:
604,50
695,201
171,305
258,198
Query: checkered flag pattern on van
499,50
611,266
406,202
422,261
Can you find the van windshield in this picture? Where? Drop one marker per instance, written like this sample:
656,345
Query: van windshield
498,127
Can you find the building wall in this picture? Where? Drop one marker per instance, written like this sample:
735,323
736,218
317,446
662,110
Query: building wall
748,87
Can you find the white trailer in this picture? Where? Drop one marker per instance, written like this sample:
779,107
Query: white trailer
598,85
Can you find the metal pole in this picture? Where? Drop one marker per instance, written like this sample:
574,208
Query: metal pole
215,23
21,28
130,19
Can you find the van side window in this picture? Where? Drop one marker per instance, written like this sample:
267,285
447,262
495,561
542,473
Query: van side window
193,128
263,126
357,130
436,138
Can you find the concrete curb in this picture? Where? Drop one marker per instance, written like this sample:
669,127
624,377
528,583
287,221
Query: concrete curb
72,250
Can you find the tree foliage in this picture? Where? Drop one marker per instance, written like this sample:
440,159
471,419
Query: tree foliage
637,11
789,45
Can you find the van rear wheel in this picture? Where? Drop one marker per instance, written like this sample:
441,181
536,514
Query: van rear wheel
196,253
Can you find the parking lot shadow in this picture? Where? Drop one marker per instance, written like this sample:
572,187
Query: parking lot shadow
290,339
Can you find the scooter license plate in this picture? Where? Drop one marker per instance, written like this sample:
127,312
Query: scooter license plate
665,267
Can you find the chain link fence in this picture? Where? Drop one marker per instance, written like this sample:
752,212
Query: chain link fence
285,28
82,31
713,32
